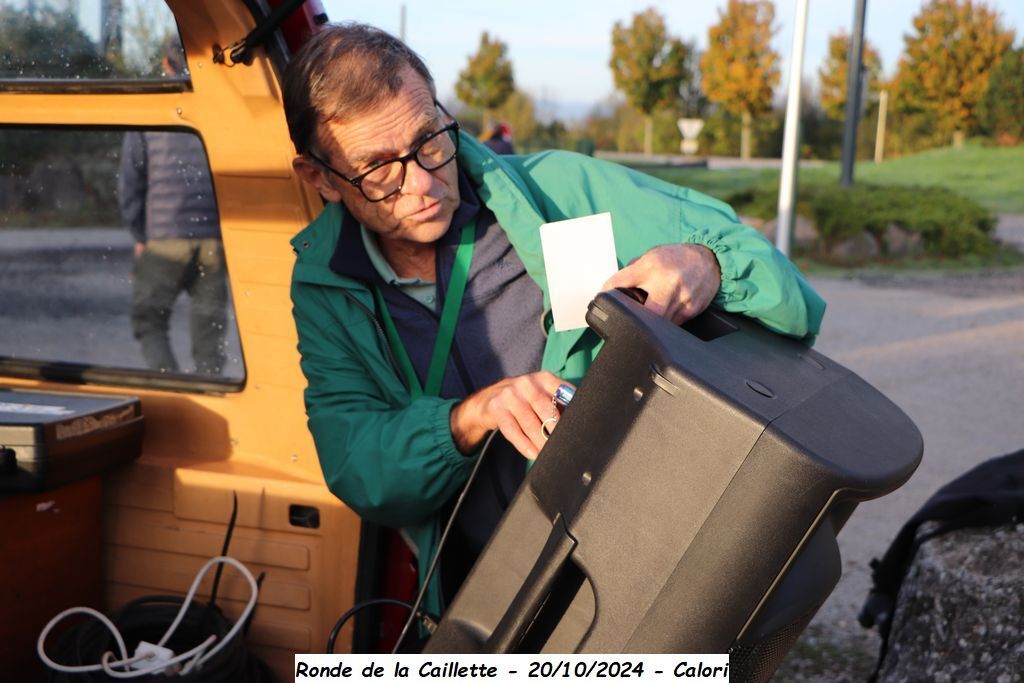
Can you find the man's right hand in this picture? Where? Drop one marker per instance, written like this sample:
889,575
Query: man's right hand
516,406
139,248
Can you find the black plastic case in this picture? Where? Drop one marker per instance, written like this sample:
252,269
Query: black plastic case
50,439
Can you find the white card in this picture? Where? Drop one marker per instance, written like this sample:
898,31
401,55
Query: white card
579,257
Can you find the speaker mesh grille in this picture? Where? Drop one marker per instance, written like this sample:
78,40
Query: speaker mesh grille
756,663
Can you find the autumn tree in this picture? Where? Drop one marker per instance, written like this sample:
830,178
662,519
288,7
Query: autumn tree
740,69
834,72
519,112
649,66
947,61
1001,110
487,80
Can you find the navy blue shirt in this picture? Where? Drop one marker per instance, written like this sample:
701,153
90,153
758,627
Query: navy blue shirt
498,335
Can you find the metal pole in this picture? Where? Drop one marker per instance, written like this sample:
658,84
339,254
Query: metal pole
401,24
883,107
791,138
853,88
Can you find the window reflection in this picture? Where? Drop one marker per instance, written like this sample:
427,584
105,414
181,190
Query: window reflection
91,40
112,254
166,200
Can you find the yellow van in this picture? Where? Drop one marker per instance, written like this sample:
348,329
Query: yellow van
105,106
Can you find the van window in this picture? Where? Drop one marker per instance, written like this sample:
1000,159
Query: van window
54,42
114,267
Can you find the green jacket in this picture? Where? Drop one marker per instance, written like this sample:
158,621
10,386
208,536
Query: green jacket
391,459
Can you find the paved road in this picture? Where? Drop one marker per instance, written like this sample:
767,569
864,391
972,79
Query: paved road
950,352
712,163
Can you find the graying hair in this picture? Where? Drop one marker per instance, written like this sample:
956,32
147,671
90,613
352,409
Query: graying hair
344,70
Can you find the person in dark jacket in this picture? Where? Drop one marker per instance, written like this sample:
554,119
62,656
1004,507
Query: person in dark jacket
167,201
500,140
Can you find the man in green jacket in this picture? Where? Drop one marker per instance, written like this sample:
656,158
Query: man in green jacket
419,293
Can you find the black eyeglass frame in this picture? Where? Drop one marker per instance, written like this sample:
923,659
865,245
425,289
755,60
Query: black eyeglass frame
405,159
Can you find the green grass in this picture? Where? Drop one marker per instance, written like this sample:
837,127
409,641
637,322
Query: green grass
992,176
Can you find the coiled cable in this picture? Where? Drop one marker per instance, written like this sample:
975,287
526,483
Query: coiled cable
210,648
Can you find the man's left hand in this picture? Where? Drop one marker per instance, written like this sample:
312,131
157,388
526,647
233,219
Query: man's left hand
680,280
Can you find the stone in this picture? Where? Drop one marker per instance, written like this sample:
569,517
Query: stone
805,232
960,611
1010,230
859,249
902,243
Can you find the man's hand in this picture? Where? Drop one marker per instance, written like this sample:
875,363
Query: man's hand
680,280
517,406
139,248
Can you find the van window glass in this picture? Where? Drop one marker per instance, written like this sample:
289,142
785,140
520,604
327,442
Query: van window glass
113,259
94,40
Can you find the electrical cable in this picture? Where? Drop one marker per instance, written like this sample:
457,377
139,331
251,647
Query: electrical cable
333,636
192,632
227,544
145,619
191,659
440,544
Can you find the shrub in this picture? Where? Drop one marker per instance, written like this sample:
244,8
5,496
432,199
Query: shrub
949,224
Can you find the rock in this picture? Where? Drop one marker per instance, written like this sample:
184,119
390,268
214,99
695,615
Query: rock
902,243
1010,230
960,611
859,249
805,232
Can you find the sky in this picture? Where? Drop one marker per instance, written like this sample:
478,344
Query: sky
560,50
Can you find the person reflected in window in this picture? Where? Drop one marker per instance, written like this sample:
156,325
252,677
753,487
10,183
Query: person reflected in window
167,201
500,139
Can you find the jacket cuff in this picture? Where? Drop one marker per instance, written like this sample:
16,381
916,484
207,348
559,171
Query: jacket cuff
442,430
727,289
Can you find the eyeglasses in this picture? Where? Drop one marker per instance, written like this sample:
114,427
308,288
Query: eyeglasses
386,178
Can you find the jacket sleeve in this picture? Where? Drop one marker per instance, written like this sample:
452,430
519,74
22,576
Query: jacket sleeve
757,280
132,184
393,464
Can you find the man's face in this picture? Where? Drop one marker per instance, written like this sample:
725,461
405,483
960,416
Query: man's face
422,210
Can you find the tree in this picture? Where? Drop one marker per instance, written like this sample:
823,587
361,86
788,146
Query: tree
740,69
44,42
1001,110
833,75
649,66
148,28
520,114
487,80
947,61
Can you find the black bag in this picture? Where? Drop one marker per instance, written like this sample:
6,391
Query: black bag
991,494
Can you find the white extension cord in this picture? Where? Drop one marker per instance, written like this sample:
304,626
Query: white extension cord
155,658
